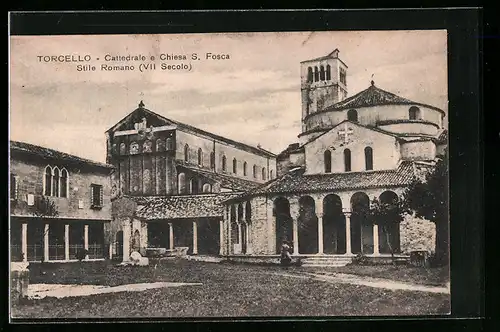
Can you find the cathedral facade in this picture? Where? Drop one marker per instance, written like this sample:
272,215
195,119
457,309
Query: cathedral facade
176,186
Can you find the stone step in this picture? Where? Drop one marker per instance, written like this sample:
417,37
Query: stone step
325,265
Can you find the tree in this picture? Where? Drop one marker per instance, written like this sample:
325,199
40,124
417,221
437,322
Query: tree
43,207
387,215
428,198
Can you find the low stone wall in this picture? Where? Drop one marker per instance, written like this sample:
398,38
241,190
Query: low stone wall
254,259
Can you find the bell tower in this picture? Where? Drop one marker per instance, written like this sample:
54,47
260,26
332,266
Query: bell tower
323,83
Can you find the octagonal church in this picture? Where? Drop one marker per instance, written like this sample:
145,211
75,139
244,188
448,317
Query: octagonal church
176,186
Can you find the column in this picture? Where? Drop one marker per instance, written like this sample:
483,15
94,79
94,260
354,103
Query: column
249,242
376,251
66,242
319,213
229,233
271,235
348,250
24,241
294,213
195,238
86,239
240,237
171,236
46,243
126,241
221,237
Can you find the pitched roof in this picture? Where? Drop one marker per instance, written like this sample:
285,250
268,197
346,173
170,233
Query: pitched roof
374,96
181,207
52,154
189,128
225,181
297,182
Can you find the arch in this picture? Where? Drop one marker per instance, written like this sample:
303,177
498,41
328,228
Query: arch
212,160
181,183
160,145
64,183
240,213
170,144
271,175
115,149
193,186
248,212
390,233
207,188
200,157
254,171
55,182
134,148
328,161
263,173
136,241
47,181
307,226
321,73
235,166
309,74
147,146
316,74
352,115
414,113
368,158
245,168
234,225
328,72
361,227
284,222
186,153
347,160
333,225
123,149
224,163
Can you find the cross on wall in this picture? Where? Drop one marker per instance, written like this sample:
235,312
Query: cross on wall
346,132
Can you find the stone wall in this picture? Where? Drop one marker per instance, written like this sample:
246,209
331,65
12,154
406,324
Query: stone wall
419,150
417,234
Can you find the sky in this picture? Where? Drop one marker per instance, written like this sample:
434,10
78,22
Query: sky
252,97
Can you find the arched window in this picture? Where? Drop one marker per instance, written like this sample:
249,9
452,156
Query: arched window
134,148
316,74
347,160
200,157
64,183
328,72
245,168
123,149
309,74
55,185
186,153
328,161
224,163
160,147
181,183
263,173
212,160
352,115
414,113
147,146
193,186
207,188
368,158
254,171
248,212
170,144
322,73
47,191
235,166
271,175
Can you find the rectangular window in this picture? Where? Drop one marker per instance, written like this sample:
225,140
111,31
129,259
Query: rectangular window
96,196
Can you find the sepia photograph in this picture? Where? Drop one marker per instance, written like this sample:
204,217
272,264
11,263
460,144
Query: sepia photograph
212,175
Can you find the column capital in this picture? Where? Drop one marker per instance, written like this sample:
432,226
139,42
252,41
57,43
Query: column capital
346,211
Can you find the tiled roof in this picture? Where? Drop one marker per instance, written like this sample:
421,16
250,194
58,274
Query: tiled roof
225,181
297,182
181,207
52,154
189,128
374,96
292,148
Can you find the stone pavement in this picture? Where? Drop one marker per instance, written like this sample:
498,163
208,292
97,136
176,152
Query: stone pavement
39,291
352,279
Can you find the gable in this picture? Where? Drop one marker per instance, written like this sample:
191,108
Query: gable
137,116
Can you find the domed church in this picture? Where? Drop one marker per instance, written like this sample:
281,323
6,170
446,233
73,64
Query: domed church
351,150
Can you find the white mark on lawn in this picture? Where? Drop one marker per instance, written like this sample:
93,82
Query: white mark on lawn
39,291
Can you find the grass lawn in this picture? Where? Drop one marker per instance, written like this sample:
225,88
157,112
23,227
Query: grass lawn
418,275
227,291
